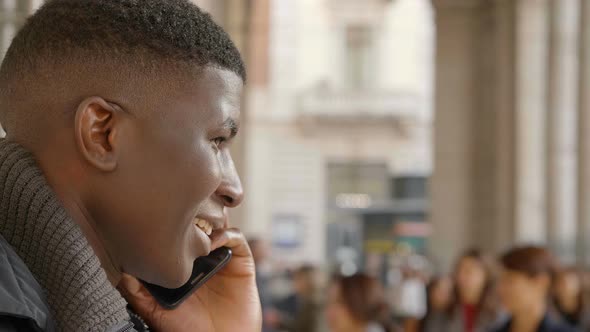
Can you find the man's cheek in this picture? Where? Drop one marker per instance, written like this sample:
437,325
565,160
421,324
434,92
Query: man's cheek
211,173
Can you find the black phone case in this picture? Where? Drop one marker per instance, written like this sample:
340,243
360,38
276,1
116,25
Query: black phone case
171,298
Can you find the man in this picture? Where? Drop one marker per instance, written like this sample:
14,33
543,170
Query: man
524,286
116,166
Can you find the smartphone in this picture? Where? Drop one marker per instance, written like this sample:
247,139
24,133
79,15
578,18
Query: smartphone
203,269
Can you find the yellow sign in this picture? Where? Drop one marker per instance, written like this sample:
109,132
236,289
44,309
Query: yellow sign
379,246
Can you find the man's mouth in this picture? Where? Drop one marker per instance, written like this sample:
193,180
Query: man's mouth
204,225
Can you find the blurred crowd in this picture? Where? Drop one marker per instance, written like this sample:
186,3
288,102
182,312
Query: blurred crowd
525,289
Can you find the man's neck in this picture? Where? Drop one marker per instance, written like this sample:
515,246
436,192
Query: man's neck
528,320
81,216
74,206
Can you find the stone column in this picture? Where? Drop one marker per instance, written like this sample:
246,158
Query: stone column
583,240
530,103
488,187
562,128
494,134
501,100
508,179
455,91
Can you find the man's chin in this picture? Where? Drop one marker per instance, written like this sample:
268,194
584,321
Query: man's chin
171,275
200,245
174,281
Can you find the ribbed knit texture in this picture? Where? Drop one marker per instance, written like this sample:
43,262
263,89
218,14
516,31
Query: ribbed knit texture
53,247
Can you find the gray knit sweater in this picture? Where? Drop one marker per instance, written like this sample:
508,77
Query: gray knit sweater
53,247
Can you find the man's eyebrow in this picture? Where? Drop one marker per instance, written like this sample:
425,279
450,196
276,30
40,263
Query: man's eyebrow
232,125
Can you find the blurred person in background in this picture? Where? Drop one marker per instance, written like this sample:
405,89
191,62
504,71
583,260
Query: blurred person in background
357,304
412,298
260,253
473,308
300,311
585,278
569,300
439,294
524,290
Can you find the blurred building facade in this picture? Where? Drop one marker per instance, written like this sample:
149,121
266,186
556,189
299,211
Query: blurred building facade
342,109
512,125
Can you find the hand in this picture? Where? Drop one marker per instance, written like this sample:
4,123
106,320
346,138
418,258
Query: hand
228,302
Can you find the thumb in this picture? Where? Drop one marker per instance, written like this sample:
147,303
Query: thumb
232,238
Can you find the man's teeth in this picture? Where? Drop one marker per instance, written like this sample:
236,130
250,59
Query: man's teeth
204,225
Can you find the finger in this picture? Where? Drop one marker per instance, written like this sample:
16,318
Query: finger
134,292
231,238
129,284
140,299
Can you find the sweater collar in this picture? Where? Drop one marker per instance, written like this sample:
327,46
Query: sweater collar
35,224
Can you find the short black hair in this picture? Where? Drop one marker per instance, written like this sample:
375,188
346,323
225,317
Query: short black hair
146,31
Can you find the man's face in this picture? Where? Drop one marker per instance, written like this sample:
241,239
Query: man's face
174,168
518,291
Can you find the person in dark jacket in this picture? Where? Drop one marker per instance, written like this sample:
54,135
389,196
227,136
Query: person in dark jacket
119,115
524,289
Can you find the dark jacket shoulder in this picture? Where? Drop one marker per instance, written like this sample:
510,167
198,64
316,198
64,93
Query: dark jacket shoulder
558,326
547,325
22,300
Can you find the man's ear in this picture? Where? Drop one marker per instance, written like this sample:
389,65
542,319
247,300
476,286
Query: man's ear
96,133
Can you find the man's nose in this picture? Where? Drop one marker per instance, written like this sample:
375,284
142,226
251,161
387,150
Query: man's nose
230,191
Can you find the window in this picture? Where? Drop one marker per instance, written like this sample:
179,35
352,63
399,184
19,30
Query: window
358,54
